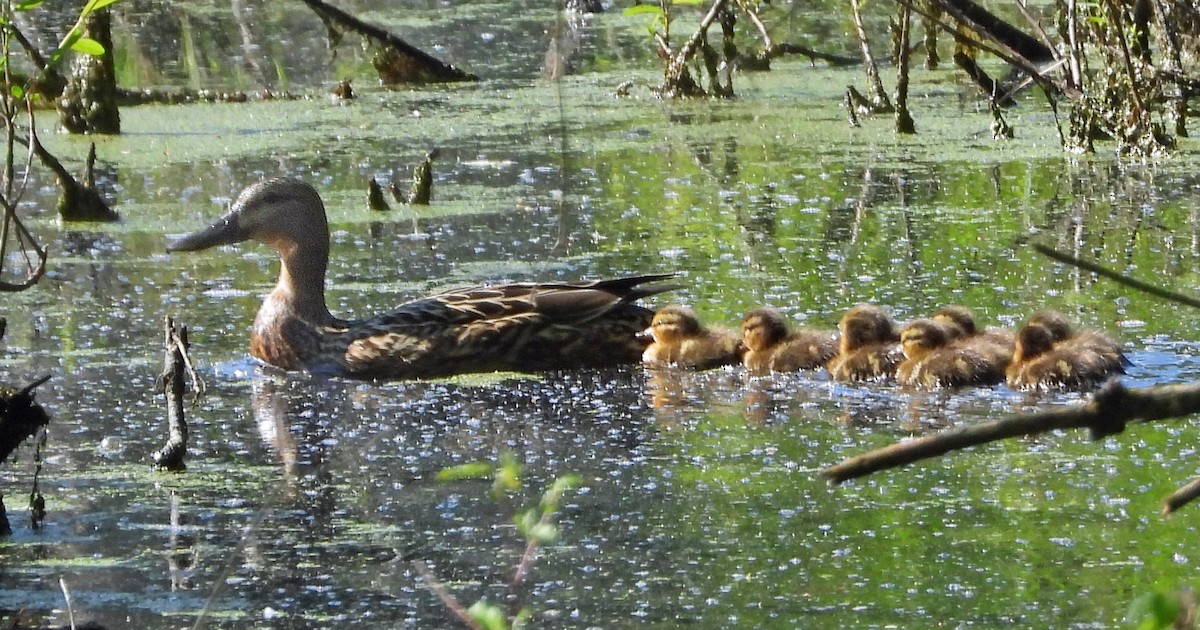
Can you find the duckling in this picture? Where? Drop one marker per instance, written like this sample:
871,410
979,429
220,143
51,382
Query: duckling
1040,361
1093,340
868,348
680,339
994,343
772,347
938,357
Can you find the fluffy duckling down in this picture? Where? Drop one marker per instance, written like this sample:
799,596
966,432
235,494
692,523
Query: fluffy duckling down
868,346
680,339
771,345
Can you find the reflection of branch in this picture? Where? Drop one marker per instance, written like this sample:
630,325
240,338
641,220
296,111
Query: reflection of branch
1116,277
1110,409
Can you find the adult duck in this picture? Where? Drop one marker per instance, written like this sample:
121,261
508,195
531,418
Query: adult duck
519,327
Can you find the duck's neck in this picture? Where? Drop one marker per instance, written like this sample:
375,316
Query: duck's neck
300,292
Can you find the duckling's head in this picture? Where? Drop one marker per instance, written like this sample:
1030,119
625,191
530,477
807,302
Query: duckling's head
863,325
674,323
1033,340
1053,321
284,213
959,316
922,336
763,328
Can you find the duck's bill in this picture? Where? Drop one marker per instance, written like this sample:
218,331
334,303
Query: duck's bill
224,232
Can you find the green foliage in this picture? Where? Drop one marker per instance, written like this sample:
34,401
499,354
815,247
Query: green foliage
535,524
490,616
1156,610
470,470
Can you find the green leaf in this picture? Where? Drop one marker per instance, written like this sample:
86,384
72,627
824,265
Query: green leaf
527,520
508,475
96,5
488,615
553,495
473,470
544,533
18,92
642,9
88,46
26,5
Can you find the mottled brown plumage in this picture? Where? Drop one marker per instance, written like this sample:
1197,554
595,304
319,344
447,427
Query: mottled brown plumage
1050,355
681,340
995,344
772,347
936,355
519,327
868,348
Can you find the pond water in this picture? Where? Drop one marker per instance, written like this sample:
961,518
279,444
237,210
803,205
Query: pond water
306,502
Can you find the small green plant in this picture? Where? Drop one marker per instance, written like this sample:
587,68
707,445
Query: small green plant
536,525
1163,609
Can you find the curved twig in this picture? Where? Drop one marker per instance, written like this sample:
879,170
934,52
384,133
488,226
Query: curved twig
1117,277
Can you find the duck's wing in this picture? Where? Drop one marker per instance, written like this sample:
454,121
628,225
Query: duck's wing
523,327
560,303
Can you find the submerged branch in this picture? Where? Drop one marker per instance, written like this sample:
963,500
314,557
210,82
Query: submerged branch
1107,413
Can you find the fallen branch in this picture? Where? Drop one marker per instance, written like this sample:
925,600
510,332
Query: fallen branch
1107,413
398,61
1144,287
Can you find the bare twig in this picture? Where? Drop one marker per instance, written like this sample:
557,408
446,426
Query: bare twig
1111,408
1181,497
446,596
1117,277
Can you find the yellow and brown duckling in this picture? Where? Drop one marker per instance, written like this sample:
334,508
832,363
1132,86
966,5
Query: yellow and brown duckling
681,340
868,346
1049,354
936,355
770,345
517,327
994,343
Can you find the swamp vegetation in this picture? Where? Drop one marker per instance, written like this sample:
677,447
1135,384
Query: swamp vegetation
678,497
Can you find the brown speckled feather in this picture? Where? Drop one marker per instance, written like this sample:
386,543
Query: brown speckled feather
518,327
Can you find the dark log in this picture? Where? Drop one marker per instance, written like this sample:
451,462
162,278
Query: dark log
398,61
89,102
990,88
421,190
176,367
76,202
375,200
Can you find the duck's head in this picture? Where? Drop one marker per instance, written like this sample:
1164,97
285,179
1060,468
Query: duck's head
863,325
763,328
673,323
1033,340
283,213
922,336
1054,322
958,316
